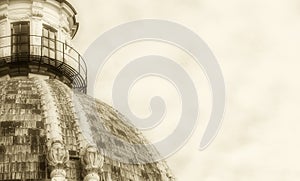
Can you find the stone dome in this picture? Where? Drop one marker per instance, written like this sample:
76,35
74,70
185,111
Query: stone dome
44,124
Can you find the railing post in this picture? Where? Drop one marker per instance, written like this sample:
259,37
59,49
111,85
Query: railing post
41,54
63,52
78,76
79,64
55,51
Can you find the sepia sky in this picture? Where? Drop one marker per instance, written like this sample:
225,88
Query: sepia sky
257,45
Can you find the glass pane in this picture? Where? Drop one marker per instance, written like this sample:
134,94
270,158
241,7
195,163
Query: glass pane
52,44
45,42
45,51
52,54
49,42
24,39
24,28
51,35
45,32
16,29
20,38
24,48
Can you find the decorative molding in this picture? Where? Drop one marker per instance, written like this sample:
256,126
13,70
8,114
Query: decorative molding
37,9
57,158
50,115
92,162
3,16
51,24
91,177
4,11
58,175
72,99
64,23
19,17
57,155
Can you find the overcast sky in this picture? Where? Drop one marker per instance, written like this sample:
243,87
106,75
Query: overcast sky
257,45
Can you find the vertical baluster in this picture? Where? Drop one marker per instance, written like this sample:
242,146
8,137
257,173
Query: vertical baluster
41,47
55,51
63,52
79,64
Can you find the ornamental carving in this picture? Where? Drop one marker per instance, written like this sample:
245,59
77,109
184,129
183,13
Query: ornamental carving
92,177
58,175
37,9
3,16
92,160
4,11
37,13
58,155
19,17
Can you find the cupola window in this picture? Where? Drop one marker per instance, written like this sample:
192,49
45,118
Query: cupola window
49,42
20,39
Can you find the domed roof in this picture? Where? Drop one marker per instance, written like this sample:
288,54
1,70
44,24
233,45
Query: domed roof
35,111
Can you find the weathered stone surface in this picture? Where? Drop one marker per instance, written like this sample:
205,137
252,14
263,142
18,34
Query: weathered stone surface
25,123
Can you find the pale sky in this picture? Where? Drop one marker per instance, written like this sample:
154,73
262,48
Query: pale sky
256,43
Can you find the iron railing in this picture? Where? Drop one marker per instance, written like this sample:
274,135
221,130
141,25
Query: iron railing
23,54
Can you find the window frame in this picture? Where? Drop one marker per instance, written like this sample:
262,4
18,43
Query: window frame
20,38
47,41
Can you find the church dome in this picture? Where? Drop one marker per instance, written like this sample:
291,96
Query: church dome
48,130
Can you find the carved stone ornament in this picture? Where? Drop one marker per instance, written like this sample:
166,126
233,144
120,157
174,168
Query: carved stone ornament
92,162
3,16
58,155
37,9
4,11
19,17
58,175
64,22
91,177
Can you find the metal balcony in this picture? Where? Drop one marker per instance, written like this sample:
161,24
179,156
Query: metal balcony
24,54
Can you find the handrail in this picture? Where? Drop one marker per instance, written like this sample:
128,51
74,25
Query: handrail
12,50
